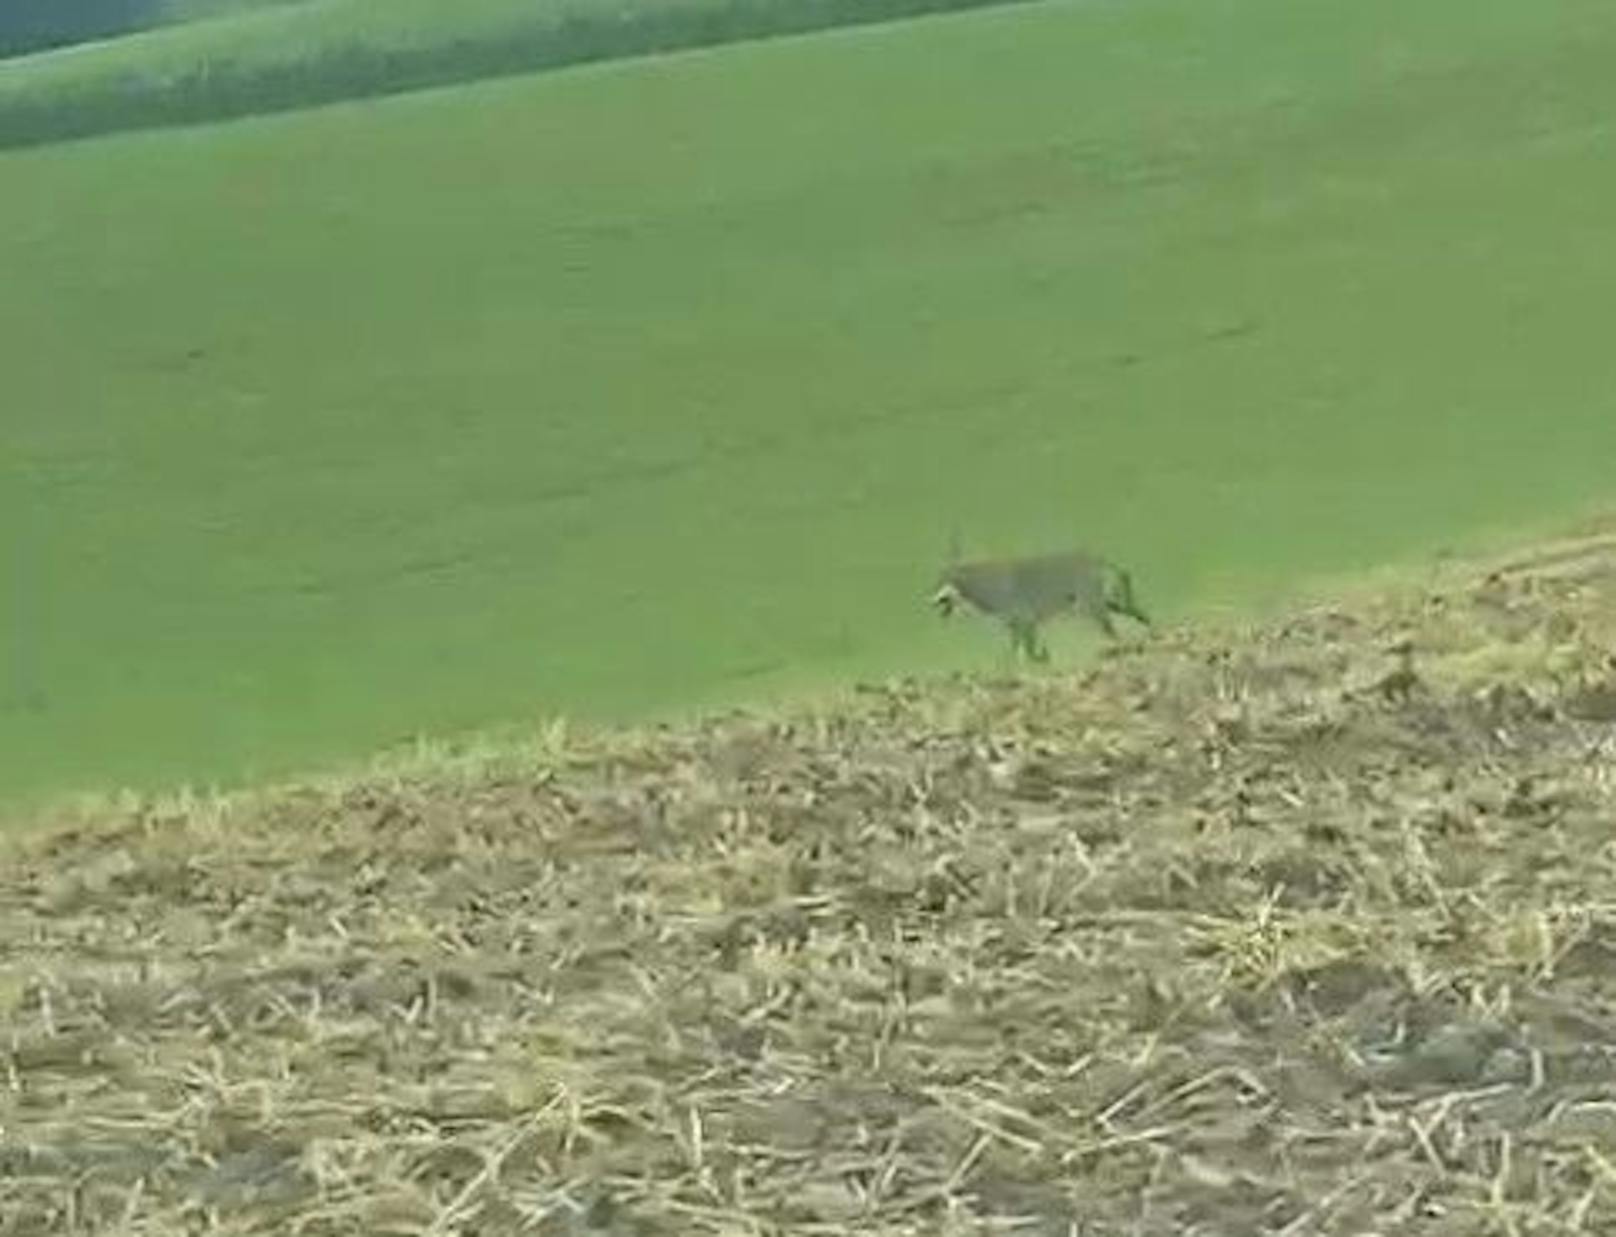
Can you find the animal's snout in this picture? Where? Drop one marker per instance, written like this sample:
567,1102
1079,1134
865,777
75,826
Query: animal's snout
945,599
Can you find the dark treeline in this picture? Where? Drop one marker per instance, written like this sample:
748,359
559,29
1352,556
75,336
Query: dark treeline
217,91
34,25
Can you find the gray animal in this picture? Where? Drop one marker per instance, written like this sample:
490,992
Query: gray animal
1024,593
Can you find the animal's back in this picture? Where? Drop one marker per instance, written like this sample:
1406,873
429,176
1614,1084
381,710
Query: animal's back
1034,588
1051,583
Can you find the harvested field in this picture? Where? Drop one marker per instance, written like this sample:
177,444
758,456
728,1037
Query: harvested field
1306,929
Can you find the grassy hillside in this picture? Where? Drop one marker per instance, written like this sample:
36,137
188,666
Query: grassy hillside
664,383
1256,932
271,58
199,10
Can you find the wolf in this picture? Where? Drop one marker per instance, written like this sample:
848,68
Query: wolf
1024,593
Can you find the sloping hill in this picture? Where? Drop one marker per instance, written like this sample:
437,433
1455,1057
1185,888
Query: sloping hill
1266,931
275,57
612,392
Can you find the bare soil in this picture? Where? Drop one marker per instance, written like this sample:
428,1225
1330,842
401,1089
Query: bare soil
1301,928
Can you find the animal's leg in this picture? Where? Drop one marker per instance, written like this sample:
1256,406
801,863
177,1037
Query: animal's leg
1037,650
1015,639
1098,611
1024,639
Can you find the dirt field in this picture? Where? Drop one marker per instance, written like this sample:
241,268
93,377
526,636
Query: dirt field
1273,931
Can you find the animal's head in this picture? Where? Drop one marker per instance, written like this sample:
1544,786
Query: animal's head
947,596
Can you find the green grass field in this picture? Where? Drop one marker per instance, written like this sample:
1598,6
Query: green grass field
659,384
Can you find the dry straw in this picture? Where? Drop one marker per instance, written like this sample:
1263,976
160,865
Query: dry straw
1310,929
